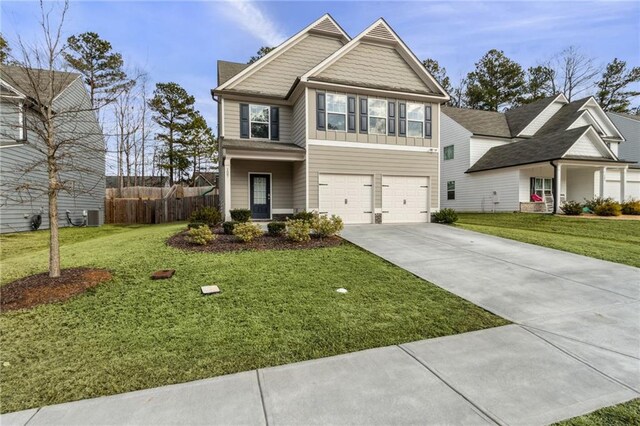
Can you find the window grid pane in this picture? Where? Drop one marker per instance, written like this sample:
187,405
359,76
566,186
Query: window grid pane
415,112
336,122
378,108
336,103
414,129
378,125
448,152
260,190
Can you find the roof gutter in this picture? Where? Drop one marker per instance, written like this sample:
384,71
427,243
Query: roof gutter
555,183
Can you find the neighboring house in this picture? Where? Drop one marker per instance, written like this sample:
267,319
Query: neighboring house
629,126
552,149
127,181
206,179
326,122
23,173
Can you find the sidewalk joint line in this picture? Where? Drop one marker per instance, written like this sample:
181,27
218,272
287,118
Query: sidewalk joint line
34,414
264,406
484,411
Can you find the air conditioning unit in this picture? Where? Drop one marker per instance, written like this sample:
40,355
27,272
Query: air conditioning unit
93,217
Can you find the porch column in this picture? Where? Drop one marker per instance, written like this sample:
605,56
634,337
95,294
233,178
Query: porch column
603,179
227,189
623,184
558,189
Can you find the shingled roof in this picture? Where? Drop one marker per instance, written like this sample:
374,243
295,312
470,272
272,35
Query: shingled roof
34,82
519,118
563,118
227,70
478,122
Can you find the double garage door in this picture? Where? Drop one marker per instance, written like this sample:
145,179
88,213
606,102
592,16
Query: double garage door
404,198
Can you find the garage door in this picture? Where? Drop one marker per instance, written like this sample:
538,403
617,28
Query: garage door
405,199
348,196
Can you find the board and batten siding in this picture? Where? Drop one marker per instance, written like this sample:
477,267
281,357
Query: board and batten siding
232,120
281,182
90,184
367,137
367,161
276,77
375,65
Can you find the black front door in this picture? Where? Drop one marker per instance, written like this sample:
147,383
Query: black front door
260,196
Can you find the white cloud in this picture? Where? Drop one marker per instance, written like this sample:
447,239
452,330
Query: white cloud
254,20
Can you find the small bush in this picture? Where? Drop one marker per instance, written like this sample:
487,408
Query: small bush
247,231
445,216
304,216
298,230
324,226
208,215
201,236
608,208
571,208
240,215
631,207
276,228
227,227
593,204
193,225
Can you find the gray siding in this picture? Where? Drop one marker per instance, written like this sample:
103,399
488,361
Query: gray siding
371,138
281,182
232,119
299,185
377,162
630,129
88,187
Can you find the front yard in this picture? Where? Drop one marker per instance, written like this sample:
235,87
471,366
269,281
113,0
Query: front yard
275,307
612,240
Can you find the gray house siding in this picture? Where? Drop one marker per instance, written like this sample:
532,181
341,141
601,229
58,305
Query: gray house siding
630,129
86,186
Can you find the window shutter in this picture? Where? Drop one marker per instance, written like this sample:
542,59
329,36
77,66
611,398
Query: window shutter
402,119
244,121
427,121
532,186
351,114
364,116
320,111
275,123
392,117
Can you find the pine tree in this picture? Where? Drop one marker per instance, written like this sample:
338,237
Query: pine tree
439,73
5,50
612,92
540,84
201,143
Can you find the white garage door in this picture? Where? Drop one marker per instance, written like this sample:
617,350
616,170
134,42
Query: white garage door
405,199
347,196
633,184
612,189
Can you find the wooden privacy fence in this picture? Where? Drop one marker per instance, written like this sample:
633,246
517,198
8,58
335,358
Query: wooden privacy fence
152,193
138,210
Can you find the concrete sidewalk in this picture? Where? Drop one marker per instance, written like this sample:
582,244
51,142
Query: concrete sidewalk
575,348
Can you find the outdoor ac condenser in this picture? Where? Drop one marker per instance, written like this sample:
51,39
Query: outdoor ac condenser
93,217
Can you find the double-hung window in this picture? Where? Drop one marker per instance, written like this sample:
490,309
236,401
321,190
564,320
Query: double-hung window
259,121
543,187
336,112
451,190
415,120
377,116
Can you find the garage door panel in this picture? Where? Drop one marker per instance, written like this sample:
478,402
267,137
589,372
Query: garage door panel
405,199
347,196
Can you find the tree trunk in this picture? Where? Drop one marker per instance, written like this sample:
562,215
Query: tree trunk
54,241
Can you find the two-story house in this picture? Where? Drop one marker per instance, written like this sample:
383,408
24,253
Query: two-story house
532,158
326,122
23,154
629,126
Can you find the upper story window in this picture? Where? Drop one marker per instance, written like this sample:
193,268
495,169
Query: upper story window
22,123
259,121
377,116
448,152
336,112
415,120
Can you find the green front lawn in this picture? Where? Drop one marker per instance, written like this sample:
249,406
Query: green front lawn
619,415
613,240
276,307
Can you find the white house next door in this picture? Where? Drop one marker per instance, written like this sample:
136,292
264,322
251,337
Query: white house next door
347,196
405,199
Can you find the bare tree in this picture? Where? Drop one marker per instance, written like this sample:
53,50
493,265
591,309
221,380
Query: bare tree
573,72
60,130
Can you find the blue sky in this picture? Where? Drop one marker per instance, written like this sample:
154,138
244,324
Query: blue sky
181,41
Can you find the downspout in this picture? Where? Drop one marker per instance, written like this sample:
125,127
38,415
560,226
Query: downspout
555,182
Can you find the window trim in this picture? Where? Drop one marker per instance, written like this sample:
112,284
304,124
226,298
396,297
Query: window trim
385,116
22,123
415,121
543,189
268,122
327,112
444,153
451,193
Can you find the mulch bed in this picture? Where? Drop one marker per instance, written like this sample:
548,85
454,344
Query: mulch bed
40,289
224,243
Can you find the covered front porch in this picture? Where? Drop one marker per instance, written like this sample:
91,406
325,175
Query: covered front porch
264,177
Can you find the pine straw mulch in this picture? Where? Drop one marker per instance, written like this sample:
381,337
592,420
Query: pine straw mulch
226,243
39,289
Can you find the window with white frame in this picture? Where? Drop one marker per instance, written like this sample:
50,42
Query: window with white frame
377,116
451,190
415,120
22,131
336,112
259,121
543,187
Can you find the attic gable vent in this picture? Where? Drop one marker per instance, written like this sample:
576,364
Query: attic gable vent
381,31
327,26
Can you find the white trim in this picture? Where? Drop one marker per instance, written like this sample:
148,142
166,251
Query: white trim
282,211
592,102
363,89
306,150
438,163
226,167
345,144
268,122
283,47
422,108
21,122
564,101
385,118
327,112
268,193
13,89
222,118
262,155
598,138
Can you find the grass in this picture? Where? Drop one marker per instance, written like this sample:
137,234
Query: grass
612,240
617,415
275,307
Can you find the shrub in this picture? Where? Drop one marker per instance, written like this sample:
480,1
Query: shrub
608,208
445,216
276,228
240,215
247,231
324,226
631,207
227,227
201,235
298,230
193,225
304,216
571,208
208,215
593,204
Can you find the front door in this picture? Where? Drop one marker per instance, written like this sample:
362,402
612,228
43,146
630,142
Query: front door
260,196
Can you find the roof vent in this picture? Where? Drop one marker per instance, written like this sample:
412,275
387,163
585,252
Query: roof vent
381,31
